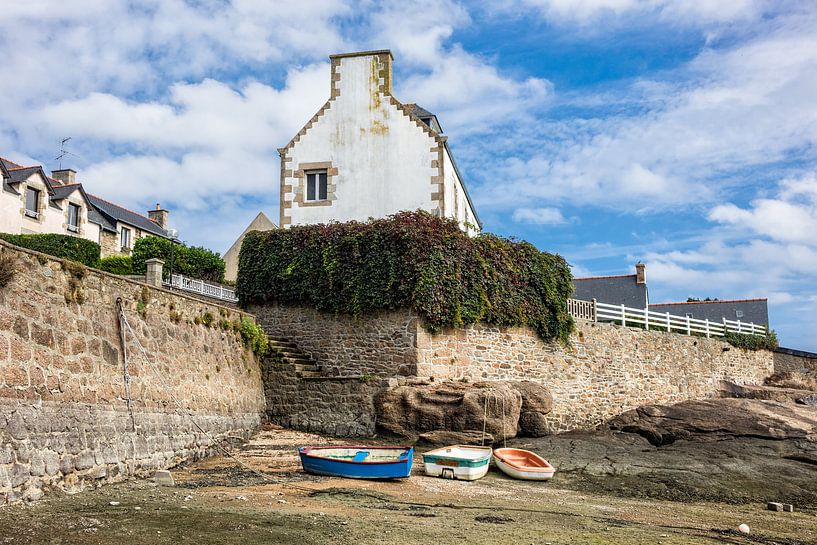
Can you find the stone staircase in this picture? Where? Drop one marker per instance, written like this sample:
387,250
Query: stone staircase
305,366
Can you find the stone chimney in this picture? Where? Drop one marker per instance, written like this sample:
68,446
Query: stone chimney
640,273
65,175
159,216
351,71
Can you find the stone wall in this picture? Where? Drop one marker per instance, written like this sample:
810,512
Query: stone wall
795,362
64,418
380,344
604,371
334,405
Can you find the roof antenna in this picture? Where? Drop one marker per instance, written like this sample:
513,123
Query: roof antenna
64,152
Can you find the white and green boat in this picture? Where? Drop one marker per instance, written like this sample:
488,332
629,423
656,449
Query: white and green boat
462,462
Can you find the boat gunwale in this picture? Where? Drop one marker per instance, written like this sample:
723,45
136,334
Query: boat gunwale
548,468
306,451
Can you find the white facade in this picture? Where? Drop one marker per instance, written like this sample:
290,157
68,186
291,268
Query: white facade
378,158
51,215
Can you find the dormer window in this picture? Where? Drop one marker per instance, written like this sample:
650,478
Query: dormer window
32,202
73,217
316,185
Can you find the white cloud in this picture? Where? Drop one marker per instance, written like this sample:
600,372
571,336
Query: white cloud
539,216
688,11
791,217
687,139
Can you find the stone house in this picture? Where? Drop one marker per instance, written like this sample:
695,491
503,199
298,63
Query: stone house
365,154
33,202
260,223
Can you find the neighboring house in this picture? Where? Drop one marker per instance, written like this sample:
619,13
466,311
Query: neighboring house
746,310
120,228
260,223
32,202
366,155
629,290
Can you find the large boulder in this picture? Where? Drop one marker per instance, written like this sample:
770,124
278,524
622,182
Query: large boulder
537,402
414,409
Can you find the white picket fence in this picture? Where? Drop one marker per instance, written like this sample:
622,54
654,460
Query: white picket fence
201,287
646,319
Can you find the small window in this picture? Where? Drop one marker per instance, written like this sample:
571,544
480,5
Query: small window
316,185
124,237
32,202
73,217
689,315
739,314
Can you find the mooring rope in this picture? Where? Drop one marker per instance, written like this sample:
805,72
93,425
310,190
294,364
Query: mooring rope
125,372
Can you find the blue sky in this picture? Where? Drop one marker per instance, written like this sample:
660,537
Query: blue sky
682,134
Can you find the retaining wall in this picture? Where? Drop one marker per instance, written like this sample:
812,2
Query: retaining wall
602,372
64,419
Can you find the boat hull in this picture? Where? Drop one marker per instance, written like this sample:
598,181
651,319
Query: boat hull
459,462
327,461
523,464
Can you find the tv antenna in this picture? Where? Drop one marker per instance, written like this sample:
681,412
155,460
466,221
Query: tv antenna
64,152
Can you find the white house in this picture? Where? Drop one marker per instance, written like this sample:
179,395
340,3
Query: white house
32,202
365,154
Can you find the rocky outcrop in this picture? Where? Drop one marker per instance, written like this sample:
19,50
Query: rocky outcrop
457,412
537,402
717,420
413,409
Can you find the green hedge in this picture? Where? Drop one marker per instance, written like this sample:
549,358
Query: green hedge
116,264
64,246
410,260
192,261
752,342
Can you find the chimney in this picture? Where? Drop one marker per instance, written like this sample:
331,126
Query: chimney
65,175
159,216
640,273
349,70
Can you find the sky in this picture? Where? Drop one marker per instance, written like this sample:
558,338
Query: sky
678,133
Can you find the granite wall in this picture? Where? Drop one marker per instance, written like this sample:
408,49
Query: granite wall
64,417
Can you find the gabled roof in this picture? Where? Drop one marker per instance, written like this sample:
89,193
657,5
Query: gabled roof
113,213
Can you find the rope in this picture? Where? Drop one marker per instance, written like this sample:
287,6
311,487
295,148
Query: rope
125,361
484,419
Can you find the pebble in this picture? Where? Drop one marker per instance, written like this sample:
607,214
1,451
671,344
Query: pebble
114,503
743,529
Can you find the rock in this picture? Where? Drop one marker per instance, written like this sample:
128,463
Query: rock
808,400
714,420
113,503
467,437
413,409
533,424
162,477
743,529
536,397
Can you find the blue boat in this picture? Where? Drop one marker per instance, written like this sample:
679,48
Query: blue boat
358,462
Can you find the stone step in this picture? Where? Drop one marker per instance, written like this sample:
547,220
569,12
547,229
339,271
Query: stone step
308,374
299,368
284,345
300,361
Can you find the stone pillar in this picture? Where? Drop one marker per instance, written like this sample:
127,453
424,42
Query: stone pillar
154,271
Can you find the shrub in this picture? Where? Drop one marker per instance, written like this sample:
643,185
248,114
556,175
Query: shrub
752,342
63,246
253,336
116,264
409,260
192,261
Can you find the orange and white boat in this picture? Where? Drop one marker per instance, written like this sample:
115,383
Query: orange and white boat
523,464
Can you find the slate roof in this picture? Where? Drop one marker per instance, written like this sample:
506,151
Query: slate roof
613,290
113,213
427,117
754,310
798,353
62,191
